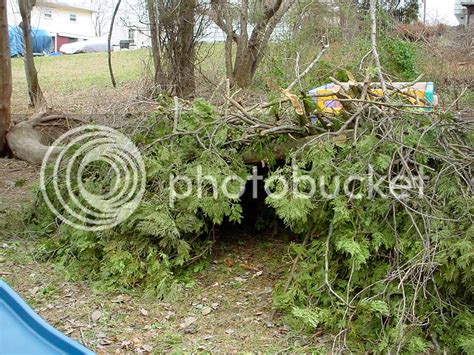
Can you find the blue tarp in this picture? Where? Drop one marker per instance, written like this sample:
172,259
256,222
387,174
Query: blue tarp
41,40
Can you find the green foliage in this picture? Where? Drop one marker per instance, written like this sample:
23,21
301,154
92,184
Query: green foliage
399,57
311,317
152,247
384,274
404,11
372,242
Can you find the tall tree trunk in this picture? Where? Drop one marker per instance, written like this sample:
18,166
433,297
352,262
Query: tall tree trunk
109,44
155,41
243,73
5,77
34,89
186,83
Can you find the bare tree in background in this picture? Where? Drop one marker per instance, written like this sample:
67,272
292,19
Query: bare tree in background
5,77
179,26
263,16
34,89
101,16
182,47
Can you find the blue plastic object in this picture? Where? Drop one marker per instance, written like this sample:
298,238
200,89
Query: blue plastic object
22,331
41,40
15,35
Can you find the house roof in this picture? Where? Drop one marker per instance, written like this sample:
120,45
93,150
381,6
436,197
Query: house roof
63,5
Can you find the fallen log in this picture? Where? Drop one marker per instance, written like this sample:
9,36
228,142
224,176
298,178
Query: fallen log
30,145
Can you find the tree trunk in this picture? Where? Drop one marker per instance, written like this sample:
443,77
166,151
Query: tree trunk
28,144
229,66
186,84
177,33
109,40
34,89
5,77
343,18
155,41
250,49
243,73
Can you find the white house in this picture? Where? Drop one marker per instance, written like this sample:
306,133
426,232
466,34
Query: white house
131,25
464,11
76,20
66,21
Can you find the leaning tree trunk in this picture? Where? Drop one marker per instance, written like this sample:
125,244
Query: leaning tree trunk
5,77
28,144
109,44
34,89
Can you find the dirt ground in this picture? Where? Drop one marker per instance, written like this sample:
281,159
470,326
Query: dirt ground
16,177
226,308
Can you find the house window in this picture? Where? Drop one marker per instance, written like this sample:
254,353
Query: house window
131,35
72,17
48,14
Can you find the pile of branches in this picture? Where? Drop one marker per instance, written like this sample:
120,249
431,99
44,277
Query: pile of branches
380,272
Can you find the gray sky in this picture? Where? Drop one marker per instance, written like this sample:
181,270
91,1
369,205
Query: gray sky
441,11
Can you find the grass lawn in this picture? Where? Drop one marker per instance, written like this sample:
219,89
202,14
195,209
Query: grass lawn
75,83
80,73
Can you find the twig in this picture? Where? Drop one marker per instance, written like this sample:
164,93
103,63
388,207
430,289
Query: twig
364,58
325,46
326,267
274,103
457,100
248,118
377,103
176,114
349,121
40,120
84,342
281,129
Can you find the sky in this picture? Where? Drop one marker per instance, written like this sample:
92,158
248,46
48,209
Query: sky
441,11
